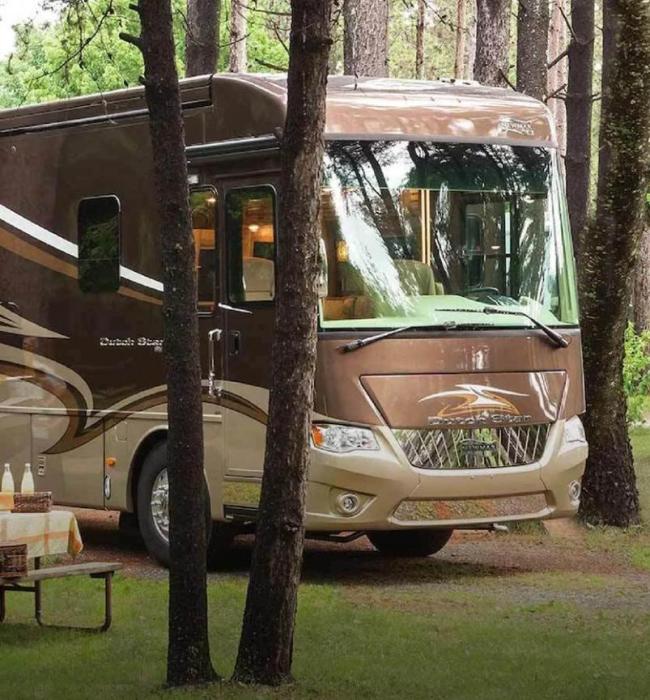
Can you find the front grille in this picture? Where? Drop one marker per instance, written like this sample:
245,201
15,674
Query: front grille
473,448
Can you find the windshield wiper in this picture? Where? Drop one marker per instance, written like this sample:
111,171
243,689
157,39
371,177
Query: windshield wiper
362,342
556,337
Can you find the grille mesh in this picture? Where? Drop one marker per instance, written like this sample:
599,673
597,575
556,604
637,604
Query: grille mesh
473,448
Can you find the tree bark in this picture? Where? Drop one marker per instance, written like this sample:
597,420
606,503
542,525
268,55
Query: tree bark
419,39
188,660
238,60
202,37
579,100
532,47
266,645
365,38
642,283
470,46
491,62
461,39
557,74
609,489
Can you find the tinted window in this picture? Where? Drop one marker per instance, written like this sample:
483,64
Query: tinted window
99,244
250,224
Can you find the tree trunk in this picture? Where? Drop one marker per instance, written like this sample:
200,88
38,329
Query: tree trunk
202,37
470,45
491,63
238,61
365,37
419,39
642,284
188,660
532,47
266,645
609,254
461,39
578,112
557,74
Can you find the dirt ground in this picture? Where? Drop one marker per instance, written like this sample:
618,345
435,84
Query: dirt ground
565,566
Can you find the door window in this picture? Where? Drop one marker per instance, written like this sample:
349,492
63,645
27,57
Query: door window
203,203
250,227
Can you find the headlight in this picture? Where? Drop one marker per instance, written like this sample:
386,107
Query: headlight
342,438
574,431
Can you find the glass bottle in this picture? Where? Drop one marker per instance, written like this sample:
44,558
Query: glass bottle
7,480
27,484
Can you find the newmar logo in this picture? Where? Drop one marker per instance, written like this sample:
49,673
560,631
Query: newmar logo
521,127
476,404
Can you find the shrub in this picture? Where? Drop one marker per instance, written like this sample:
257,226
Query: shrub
636,373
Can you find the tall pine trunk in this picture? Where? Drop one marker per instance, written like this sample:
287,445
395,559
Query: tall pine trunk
609,254
491,63
532,47
266,645
238,59
579,101
202,37
642,283
419,39
188,660
461,39
557,73
365,37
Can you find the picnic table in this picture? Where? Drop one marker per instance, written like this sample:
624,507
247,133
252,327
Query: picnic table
52,533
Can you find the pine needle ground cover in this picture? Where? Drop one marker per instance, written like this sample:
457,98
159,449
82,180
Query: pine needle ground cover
499,616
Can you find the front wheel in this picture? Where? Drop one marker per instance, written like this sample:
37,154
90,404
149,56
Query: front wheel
153,505
409,543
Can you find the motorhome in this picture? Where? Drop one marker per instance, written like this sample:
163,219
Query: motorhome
449,380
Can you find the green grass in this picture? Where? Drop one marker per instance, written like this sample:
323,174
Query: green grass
434,629
345,647
641,443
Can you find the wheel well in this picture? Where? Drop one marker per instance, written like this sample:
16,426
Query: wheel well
144,448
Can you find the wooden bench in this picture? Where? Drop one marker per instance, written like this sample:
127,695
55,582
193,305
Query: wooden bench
31,583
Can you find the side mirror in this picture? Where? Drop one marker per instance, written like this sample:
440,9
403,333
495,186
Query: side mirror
323,278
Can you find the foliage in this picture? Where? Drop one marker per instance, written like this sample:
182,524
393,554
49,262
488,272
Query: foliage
49,64
636,373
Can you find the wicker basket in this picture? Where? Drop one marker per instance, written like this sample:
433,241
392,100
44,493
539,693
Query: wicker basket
13,561
33,502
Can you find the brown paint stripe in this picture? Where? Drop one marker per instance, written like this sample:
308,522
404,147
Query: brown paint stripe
77,434
14,244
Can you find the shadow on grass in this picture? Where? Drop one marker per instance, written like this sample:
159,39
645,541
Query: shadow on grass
324,562
355,566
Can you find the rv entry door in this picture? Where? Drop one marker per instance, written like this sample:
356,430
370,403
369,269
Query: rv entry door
250,227
207,250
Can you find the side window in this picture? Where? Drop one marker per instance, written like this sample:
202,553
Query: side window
98,224
203,203
250,228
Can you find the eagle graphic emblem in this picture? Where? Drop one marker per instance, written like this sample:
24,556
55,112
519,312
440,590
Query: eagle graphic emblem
473,399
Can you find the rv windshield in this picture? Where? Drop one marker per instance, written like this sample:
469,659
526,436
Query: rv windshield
423,233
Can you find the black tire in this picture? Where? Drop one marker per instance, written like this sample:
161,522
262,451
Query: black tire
154,463
409,543
221,539
156,544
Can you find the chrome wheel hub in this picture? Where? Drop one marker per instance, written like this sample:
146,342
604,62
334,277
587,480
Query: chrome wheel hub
160,504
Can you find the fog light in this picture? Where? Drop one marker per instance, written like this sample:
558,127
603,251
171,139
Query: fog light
574,491
348,503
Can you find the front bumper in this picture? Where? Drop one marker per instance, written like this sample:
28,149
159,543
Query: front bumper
393,494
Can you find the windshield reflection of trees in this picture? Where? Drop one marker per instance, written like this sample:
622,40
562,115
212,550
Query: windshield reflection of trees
385,185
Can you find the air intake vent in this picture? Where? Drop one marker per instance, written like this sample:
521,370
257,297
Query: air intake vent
473,448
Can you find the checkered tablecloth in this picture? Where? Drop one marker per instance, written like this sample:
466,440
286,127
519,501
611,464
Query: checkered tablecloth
56,532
